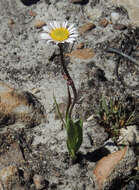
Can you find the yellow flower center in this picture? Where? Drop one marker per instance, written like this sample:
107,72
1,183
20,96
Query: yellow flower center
59,34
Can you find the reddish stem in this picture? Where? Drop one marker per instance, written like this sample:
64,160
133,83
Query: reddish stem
68,78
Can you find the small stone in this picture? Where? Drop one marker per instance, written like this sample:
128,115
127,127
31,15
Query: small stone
115,17
90,118
103,22
19,106
86,27
113,167
32,13
39,181
11,22
84,54
80,46
119,27
129,135
39,24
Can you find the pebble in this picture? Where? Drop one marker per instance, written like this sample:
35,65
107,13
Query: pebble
39,24
86,27
119,27
39,181
83,54
114,17
20,106
116,165
129,135
90,118
11,22
104,22
32,13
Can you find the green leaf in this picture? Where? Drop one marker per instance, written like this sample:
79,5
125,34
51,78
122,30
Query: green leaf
74,136
131,118
105,106
111,105
58,111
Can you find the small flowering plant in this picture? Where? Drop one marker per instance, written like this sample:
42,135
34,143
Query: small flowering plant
114,114
60,33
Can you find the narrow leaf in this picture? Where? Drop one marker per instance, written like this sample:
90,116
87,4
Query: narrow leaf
60,115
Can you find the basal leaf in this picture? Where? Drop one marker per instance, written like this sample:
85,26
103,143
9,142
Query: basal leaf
74,135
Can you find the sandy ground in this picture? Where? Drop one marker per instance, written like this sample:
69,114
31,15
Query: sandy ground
29,64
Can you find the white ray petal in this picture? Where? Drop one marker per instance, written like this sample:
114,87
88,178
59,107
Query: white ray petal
58,25
52,25
74,35
65,24
55,24
73,30
71,27
70,40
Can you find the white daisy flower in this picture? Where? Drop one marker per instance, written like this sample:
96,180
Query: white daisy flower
59,32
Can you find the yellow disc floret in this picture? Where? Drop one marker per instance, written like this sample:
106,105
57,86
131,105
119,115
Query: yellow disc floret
59,34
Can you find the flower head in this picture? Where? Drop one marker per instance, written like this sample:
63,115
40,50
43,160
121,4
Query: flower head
59,32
